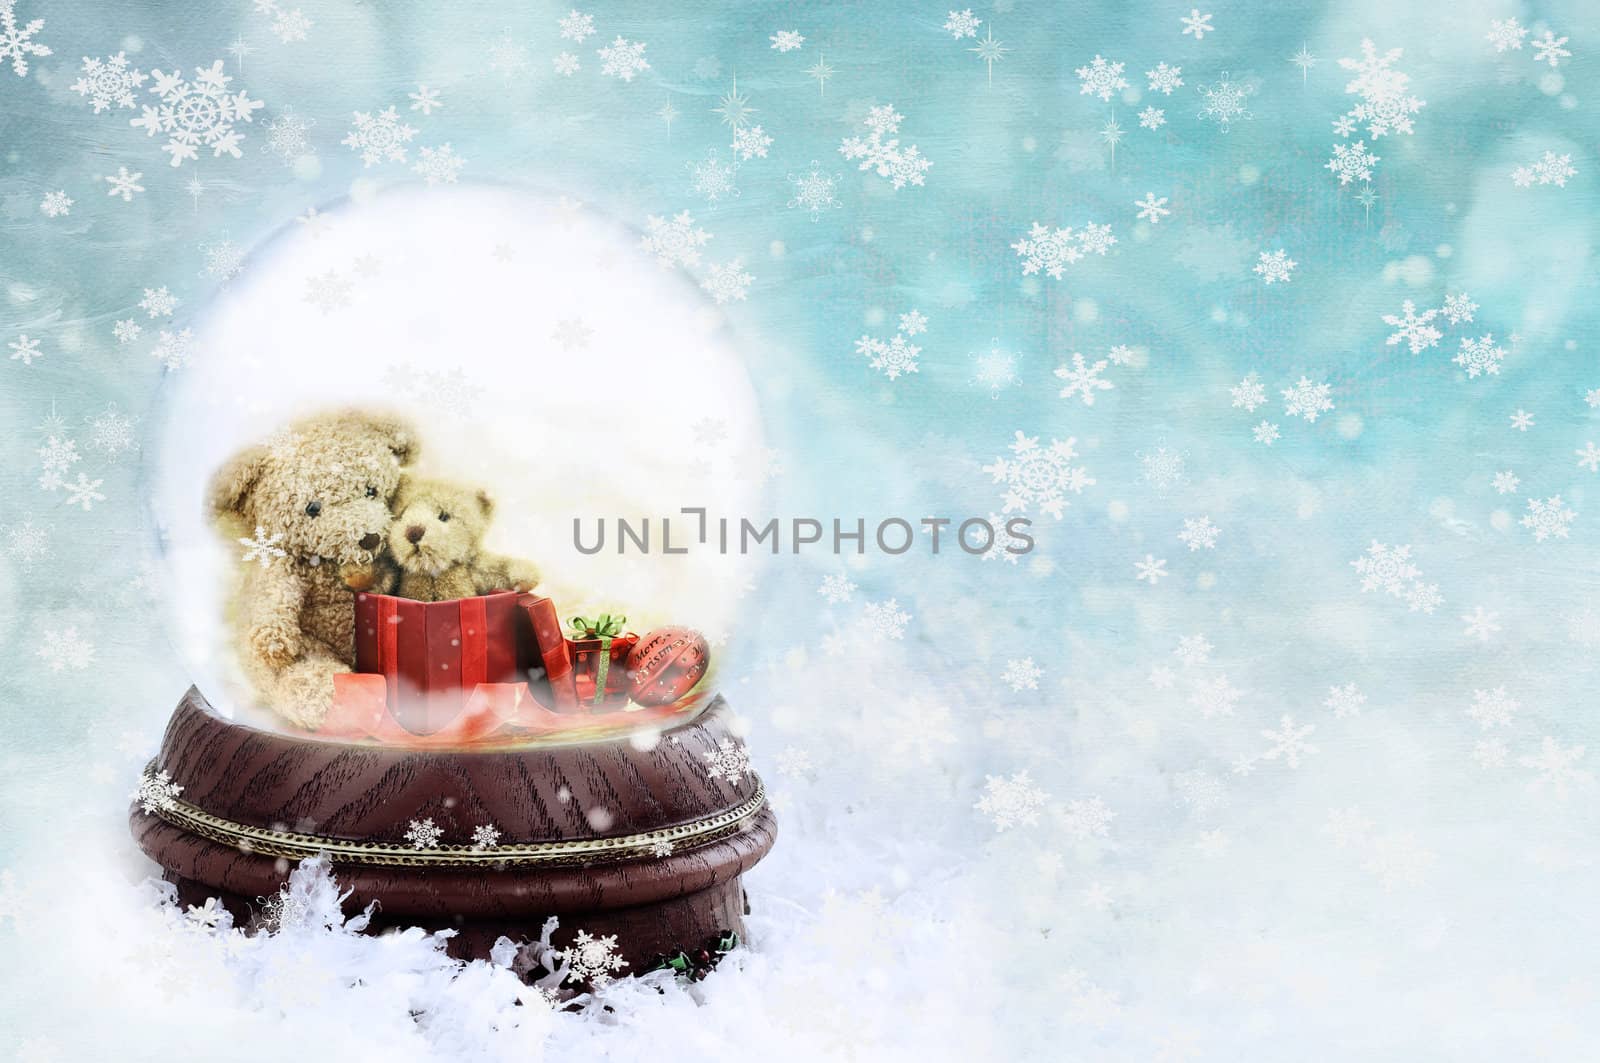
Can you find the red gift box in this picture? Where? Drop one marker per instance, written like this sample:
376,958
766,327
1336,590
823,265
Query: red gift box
543,644
433,655
586,666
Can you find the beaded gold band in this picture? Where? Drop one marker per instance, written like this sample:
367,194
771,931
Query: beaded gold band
294,846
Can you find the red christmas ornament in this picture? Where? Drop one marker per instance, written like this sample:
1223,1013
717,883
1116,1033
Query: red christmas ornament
666,664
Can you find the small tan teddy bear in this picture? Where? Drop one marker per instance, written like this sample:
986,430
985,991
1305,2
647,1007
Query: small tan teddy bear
436,541
319,496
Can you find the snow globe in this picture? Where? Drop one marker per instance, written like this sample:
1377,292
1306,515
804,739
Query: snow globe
392,444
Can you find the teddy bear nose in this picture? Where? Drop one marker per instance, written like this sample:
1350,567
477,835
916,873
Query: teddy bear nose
370,541
414,533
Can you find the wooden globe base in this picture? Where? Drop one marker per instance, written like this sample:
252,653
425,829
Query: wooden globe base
613,839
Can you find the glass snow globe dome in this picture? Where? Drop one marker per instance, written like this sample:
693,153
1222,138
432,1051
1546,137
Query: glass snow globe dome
509,355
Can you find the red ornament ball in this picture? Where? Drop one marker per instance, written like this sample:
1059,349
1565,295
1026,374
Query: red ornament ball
666,664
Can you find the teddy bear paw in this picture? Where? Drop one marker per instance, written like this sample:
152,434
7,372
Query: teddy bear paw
275,644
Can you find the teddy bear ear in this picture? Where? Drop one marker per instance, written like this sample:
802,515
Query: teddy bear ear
485,503
231,484
396,433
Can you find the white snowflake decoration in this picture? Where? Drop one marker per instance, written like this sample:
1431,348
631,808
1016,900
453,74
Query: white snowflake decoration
379,138
881,152
1480,356
1226,101
592,959
836,589
1152,118
158,302
1197,25
1011,802
1265,433
674,242
1505,33
63,648
1101,78
1053,250
439,165
1306,399
262,548
124,184
1555,768
1493,708
17,43
786,40
1275,266
713,178
814,190
1548,518
1411,328
485,837
1550,169
1249,393
892,358
1214,696
1164,78
749,142
1387,568
962,24
623,59
1352,162
1150,570
727,281
730,761
423,833
1152,209
108,82
1021,674
157,792
1345,701
1199,534
196,114
172,349
576,27
1041,476
1288,742
1547,49
1082,378
1458,308
289,135
24,349
885,620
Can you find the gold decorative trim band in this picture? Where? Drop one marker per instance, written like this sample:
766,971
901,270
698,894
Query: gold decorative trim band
290,845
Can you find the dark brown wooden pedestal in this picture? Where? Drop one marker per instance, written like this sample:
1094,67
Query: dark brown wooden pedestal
585,831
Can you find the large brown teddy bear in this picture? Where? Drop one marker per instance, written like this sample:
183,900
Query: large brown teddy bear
324,488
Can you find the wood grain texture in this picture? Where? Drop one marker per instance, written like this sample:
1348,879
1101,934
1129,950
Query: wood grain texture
362,793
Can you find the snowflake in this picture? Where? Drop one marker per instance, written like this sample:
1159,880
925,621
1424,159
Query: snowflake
1505,483
1052,251
591,959
84,493
1021,674
1481,624
749,142
962,24
1214,696
1551,169
198,113
17,44
223,259
108,81
623,59
438,165
27,543
881,151
1416,331
1199,533
1039,475
1423,597
1013,801
1164,78
566,64
111,433
1249,393
661,848
1151,208
288,135
124,184
813,190
1082,378
423,833
727,281
1152,118
1225,101
1100,78
1006,545
786,40
1352,162
1505,33
379,138
576,27
1386,567
1288,742
1087,818
425,99
913,322
894,357
836,589
1162,468
1589,457
1546,49
1458,308
713,178
1275,266
287,26
1306,399
126,330
1192,650
675,242
1345,701
1150,569
172,348
63,648
1197,24
729,761
157,792
885,620
996,368
1522,420
1265,433
262,548
56,457
1480,356
158,302
24,349
1548,517
1385,105
485,837
1556,767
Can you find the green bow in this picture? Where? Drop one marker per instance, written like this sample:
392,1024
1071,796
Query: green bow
603,626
